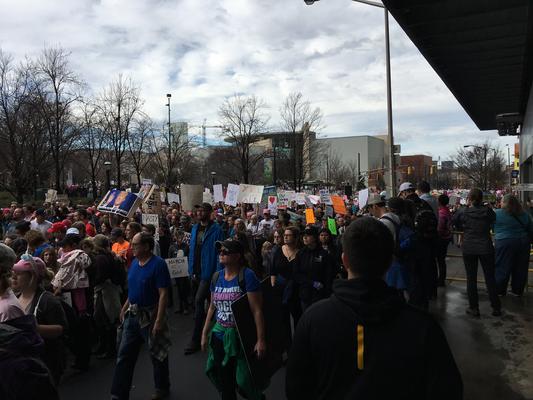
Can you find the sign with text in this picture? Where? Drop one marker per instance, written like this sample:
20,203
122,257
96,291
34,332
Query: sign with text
250,194
152,219
178,267
232,195
338,205
152,203
325,197
218,194
50,196
207,197
310,216
273,205
173,198
120,203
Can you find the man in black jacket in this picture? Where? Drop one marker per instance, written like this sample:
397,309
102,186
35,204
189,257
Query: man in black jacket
364,342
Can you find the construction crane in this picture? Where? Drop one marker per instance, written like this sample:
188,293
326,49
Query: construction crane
204,127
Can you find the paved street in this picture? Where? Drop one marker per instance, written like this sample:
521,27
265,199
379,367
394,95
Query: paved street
493,354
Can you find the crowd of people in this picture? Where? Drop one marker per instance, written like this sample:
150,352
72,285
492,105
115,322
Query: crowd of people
74,280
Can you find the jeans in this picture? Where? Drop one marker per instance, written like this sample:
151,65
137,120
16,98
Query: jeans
487,263
202,294
442,250
133,337
512,261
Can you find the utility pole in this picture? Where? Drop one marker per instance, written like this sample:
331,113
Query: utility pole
169,161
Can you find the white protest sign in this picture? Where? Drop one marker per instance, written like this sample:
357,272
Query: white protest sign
273,205
217,192
250,194
283,198
300,199
178,267
152,219
146,181
363,198
191,195
325,197
207,197
51,196
232,195
173,198
313,199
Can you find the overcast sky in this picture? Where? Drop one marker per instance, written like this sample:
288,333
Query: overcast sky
202,51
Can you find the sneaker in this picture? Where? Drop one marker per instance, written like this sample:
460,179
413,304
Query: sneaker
474,312
160,394
496,312
191,348
515,294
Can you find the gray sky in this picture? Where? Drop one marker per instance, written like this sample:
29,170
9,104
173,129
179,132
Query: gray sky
202,51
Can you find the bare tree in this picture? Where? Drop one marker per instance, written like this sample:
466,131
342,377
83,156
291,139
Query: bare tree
337,171
140,140
91,140
119,105
58,89
302,122
244,120
482,164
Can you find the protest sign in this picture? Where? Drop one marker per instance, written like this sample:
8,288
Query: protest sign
313,199
250,194
283,198
152,219
120,203
295,217
191,195
267,191
50,196
310,216
232,195
329,211
152,203
207,197
338,204
145,192
325,197
300,199
146,182
178,267
363,198
332,226
163,196
273,205
62,198
217,192
173,198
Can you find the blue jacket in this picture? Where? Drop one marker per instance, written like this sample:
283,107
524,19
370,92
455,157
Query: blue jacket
210,261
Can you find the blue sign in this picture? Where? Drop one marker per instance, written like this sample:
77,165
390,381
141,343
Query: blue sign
514,173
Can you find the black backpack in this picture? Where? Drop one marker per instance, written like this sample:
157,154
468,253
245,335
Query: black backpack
426,221
242,280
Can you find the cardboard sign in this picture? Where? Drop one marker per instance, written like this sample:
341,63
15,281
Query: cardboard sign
191,195
310,216
363,198
232,195
120,203
178,267
173,198
272,205
325,197
152,203
338,205
62,198
152,219
332,226
146,181
217,192
50,196
145,192
250,194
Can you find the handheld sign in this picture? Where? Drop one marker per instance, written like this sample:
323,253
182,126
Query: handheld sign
309,216
178,267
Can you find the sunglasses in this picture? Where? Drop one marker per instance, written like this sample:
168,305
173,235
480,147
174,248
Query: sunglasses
225,252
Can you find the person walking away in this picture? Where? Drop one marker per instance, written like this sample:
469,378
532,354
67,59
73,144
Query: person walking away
444,230
476,220
424,190
143,318
52,324
226,364
512,231
203,262
370,354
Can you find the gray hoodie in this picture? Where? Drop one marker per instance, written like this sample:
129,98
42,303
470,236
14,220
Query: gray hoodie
476,223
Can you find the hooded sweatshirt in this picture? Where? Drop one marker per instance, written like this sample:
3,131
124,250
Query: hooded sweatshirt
364,342
476,222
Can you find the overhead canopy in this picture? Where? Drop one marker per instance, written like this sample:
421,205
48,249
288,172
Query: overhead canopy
482,50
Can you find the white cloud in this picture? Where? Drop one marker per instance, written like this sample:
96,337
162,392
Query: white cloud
203,51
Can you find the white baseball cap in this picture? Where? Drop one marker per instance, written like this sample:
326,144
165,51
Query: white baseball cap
73,231
406,186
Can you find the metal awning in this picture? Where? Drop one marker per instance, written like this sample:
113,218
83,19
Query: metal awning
481,49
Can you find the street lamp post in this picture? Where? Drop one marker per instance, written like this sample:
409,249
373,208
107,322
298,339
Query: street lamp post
390,134
509,169
169,161
213,175
107,165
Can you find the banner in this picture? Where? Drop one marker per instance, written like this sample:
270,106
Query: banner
173,198
272,205
232,195
250,194
120,203
191,195
178,267
217,192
